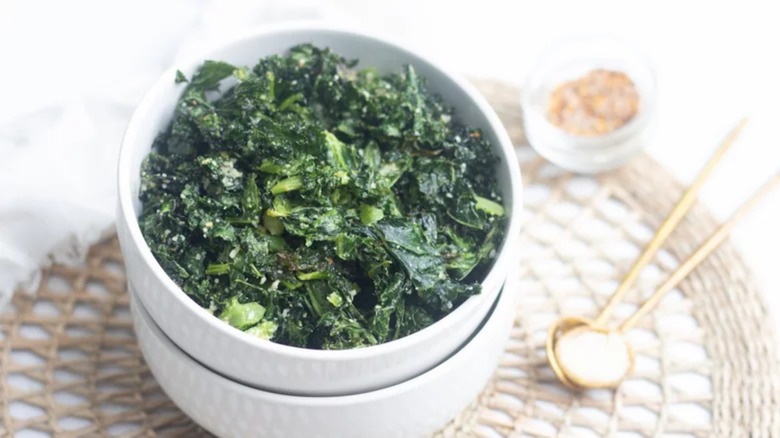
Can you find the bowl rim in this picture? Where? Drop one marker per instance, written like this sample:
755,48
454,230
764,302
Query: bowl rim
126,211
504,298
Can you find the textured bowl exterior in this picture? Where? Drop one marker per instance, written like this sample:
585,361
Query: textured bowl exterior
414,408
281,368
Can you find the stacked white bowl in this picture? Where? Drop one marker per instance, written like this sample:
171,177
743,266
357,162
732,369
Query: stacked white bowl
235,384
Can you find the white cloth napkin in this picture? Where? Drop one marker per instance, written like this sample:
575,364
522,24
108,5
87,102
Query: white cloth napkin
72,73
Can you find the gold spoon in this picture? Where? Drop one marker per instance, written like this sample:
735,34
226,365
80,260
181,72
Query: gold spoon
570,327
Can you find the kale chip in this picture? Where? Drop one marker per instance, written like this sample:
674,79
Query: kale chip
319,205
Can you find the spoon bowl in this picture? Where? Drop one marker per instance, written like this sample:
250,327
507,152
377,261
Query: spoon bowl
560,327
591,356
609,347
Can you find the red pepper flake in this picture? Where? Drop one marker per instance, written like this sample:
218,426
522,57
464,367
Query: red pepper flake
595,104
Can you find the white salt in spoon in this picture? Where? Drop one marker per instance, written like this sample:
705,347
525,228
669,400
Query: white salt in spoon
585,353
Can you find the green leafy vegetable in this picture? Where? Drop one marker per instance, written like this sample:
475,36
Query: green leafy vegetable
264,330
488,206
370,214
242,315
318,205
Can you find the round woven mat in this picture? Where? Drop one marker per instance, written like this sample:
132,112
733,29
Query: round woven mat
706,358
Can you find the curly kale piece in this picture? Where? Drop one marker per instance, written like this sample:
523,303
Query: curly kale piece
319,205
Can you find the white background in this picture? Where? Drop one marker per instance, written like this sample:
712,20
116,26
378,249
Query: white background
715,62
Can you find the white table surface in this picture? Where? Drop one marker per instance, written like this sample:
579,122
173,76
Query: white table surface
714,65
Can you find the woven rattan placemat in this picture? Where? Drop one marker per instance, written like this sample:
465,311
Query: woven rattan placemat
706,358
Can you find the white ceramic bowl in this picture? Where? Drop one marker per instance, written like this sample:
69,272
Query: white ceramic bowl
414,408
282,368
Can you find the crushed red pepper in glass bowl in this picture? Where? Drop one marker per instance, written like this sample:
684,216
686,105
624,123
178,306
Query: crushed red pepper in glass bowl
589,104
594,104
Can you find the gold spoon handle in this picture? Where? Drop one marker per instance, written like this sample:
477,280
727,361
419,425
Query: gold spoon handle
700,254
668,225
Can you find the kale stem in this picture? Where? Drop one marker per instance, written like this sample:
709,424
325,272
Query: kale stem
218,269
316,275
250,285
489,206
287,185
289,101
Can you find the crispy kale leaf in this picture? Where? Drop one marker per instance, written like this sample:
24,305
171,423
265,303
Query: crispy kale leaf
318,205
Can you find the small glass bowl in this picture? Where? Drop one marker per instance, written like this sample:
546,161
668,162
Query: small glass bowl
569,60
